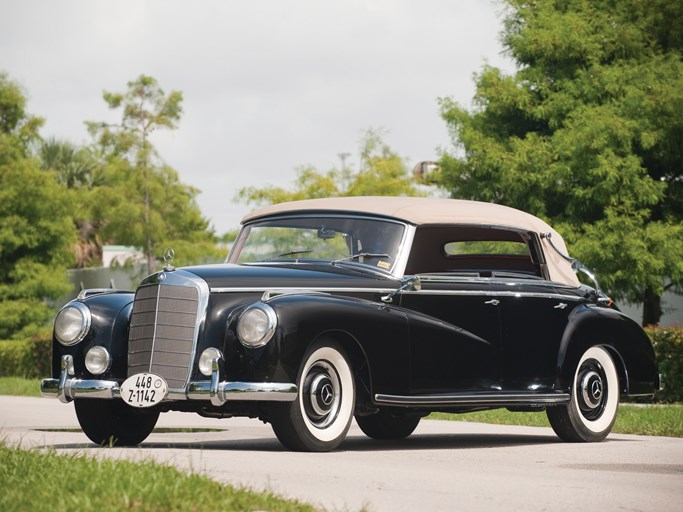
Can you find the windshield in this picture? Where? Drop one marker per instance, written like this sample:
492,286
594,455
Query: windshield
331,239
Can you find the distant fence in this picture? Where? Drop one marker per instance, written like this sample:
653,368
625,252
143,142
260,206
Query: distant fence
122,278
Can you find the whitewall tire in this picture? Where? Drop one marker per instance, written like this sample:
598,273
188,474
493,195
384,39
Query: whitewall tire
592,410
320,417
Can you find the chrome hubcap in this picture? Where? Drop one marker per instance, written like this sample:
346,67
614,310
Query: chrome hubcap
591,389
322,394
592,392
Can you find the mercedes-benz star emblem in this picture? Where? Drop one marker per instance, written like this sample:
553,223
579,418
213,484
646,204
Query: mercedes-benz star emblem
596,389
169,254
327,394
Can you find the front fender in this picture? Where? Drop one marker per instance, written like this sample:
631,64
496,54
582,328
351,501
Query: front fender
630,347
376,335
110,319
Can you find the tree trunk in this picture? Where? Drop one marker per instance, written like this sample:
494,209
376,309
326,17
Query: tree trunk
652,307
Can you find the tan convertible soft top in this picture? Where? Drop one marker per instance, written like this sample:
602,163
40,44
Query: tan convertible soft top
425,210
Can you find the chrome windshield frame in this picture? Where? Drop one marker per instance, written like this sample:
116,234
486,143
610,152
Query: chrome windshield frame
401,256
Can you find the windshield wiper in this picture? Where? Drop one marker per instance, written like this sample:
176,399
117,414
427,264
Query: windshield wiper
284,256
292,253
362,255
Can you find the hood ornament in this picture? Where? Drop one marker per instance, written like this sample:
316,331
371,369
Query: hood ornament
169,254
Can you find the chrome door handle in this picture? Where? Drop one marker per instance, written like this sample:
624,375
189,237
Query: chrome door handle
493,302
561,305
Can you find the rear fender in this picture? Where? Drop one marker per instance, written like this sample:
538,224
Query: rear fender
626,341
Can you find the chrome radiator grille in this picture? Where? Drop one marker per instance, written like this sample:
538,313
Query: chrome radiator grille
162,332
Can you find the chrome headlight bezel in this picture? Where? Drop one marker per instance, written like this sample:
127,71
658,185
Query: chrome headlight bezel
256,325
72,323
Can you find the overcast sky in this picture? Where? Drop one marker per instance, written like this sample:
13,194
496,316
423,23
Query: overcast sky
268,85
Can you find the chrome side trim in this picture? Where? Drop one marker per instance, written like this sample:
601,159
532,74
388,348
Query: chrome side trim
485,398
298,289
496,293
279,292
383,291
87,292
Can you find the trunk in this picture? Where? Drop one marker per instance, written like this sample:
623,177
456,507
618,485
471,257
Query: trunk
652,307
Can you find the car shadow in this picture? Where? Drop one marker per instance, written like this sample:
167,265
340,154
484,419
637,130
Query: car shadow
353,443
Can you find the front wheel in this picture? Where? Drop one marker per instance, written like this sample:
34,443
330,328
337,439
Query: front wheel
113,423
592,410
319,418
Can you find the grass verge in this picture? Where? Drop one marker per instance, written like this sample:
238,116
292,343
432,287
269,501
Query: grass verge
29,481
19,387
654,420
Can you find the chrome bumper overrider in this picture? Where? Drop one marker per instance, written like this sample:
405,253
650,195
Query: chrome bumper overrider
67,388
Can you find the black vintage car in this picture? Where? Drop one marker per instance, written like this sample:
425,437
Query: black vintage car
379,308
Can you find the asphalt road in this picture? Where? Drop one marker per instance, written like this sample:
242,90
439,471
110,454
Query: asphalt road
442,466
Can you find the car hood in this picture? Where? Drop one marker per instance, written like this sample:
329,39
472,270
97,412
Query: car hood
287,276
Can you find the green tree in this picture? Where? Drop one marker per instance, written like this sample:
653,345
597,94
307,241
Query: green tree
142,202
382,172
587,133
36,231
78,170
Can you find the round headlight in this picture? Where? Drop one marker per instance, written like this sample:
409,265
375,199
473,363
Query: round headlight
256,325
206,358
97,360
72,323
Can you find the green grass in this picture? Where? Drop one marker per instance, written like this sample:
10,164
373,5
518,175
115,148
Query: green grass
656,420
30,481
19,387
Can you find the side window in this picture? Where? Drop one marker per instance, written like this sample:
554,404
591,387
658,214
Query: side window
475,250
499,247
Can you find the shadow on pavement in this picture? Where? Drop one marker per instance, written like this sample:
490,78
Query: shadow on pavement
351,443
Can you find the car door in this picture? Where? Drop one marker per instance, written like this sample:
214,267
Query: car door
534,319
455,335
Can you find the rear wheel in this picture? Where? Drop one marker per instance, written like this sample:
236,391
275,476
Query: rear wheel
388,425
319,418
113,423
592,410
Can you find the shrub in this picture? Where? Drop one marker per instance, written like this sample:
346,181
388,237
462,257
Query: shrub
26,358
668,344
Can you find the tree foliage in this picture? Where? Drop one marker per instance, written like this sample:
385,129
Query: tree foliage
36,230
382,172
142,201
588,133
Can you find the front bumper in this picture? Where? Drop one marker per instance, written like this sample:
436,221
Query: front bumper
217,391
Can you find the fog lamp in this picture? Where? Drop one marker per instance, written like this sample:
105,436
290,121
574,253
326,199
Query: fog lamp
97,360
206,358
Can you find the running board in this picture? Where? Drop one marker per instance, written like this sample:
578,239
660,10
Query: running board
475,399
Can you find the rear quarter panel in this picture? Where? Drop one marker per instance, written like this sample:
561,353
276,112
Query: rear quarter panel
629,346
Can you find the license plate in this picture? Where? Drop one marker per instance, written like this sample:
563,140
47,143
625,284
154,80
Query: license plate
144,390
